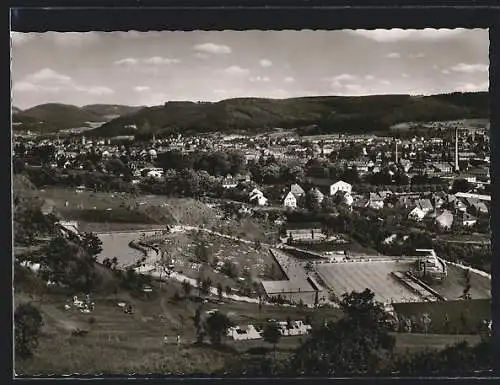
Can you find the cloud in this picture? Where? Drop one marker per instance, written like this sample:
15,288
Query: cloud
404,75
127,61
369,77
470,68
95,90
445,72
337,81
236,71
155,60
385,82
259,79
19,38
289,79
418,55
138,34
474,87
48,80
201,55
25,86
393,55
213,48
49,75
396,34
266,63
141,88
355,89
74,39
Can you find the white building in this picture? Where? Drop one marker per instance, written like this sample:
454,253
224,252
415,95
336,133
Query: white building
340,186
257,197
290,200
416,214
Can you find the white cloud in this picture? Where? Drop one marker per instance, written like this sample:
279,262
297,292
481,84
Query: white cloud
201,55
338,80
385,82
344,77
470,68
236,71
156,60
127,61
266,63
138,34
48,80
289,79
393,55
74,39
355,89
404,75
97,90
473,87
24,86
19,38
445,72
278,93
213,48
141,88
260,79
369,77
397,34
48,75
418,55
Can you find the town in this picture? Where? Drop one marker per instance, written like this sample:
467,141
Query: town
406,218
254,203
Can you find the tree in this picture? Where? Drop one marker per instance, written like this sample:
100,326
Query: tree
216,326
206,284
219,291
313,199
228,290
460,185
186,287
272,334
200,333
359,343
230,269
92,244
27,323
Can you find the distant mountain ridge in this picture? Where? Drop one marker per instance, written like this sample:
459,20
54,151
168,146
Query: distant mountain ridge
311,115
53,117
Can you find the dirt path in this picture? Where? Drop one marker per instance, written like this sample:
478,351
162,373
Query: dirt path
171,319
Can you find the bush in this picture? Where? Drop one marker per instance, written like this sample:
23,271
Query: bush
28,322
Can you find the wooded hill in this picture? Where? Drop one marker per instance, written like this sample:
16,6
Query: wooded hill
308,115
53,117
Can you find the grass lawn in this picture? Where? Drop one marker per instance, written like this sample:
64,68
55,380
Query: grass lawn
133,343
124,343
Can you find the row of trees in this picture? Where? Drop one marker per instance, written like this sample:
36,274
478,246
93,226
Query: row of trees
361,344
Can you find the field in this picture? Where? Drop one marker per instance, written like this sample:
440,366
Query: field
126,343
133,343
464,316
103,212
357,276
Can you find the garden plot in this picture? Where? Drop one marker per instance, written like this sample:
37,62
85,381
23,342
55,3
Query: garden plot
181,251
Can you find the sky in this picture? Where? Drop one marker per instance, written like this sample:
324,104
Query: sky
150,68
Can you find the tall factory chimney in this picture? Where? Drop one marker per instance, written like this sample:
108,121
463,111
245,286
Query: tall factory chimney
457,168
396,142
